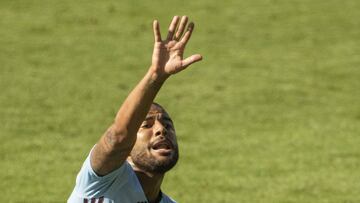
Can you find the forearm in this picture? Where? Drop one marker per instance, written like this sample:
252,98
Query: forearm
135,107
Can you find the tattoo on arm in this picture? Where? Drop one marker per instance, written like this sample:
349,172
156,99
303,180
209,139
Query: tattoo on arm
109,135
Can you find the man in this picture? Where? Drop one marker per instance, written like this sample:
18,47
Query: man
128,163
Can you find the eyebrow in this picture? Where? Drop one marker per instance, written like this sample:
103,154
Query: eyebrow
164,117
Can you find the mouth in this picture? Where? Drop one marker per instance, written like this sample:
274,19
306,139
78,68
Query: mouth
162,147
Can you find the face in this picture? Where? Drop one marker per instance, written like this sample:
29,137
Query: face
156,148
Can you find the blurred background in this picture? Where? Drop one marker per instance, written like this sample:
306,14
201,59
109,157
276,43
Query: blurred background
272,113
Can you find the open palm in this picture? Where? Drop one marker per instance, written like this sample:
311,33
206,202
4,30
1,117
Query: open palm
168,54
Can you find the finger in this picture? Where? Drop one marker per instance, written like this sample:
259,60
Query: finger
172,27
181,28
187,34
190,60
156,28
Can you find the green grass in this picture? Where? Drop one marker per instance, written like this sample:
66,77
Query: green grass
272,114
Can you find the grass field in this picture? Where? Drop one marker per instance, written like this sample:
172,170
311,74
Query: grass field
272,113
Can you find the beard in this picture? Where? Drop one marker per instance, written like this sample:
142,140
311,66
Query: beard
145,160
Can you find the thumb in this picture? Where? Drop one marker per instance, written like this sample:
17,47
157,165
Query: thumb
190,60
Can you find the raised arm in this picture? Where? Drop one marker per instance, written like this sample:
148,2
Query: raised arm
117,142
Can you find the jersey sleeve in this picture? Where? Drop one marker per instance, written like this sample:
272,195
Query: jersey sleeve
89,184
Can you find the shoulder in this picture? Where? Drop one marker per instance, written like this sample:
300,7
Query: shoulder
90,184
88,172
167,199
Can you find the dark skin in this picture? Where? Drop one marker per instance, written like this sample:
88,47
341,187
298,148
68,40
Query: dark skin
126,133
156,127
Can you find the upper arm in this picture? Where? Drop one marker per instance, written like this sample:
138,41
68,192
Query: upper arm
111,151
90,185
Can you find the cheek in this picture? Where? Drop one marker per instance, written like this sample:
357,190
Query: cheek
173,136
140,149
144,134
142,140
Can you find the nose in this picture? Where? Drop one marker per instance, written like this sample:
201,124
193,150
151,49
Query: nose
160,129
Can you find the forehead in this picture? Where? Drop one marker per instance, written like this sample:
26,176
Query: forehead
156,110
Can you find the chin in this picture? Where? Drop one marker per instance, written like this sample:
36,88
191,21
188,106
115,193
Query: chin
162,164
155,161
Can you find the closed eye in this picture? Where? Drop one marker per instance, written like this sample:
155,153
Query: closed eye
146,126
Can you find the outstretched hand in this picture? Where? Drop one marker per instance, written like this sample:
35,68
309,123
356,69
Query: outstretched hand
167,58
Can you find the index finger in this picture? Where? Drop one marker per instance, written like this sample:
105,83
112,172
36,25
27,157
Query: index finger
156,28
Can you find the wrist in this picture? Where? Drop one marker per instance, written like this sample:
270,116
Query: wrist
157,77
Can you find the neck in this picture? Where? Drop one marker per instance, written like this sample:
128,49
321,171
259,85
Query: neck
151,184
